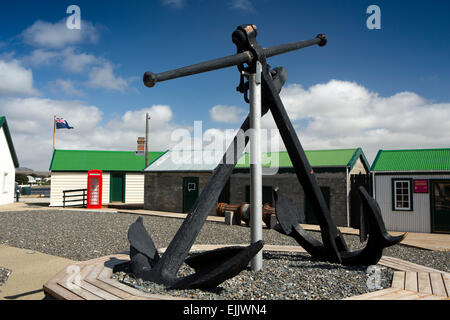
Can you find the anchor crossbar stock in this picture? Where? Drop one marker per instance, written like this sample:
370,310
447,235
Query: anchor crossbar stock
150,79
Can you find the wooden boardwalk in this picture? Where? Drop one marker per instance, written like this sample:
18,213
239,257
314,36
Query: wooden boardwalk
91,280
410,285
411,282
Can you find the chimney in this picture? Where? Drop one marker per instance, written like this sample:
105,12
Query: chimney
141,144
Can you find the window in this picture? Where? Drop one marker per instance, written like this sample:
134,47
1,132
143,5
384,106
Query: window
5,182
402,195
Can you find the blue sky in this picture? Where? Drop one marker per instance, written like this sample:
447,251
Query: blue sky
95,79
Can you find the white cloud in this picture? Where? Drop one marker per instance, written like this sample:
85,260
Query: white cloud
65,86
31,124
103,77
227,114
341,114
41,57
77,62
15,79
57,35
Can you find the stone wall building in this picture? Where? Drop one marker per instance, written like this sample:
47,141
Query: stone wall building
173,186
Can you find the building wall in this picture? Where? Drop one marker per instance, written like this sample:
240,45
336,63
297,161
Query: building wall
7,171
358,167
134,190
291,188
417,220
73,180
164,190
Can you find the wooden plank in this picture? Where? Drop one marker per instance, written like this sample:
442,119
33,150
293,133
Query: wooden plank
91,288
371,295
60,293
98,291
403,265
398,281
424,283
415,296
397,295
446,278
72,276
437,284
105,276
92,279
411,281
432,297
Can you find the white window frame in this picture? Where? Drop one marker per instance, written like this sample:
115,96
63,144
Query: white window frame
409,194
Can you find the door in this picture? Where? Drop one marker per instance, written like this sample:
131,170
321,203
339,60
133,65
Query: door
356,181
440,206
190,192
310,217
117,187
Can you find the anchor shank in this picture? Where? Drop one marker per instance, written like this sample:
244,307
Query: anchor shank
303,170
180,245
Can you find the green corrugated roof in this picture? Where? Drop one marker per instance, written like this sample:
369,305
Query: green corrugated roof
316,158
412,160
84,160
4,125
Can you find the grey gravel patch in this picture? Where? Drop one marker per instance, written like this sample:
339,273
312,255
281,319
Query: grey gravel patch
4,275
79,235
285,276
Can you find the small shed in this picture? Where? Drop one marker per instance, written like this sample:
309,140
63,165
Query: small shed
412,188
123,179
8,163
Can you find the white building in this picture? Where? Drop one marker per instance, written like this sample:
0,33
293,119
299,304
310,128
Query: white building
412,188
122,177
8,163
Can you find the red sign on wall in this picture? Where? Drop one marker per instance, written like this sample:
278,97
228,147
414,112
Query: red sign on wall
420,186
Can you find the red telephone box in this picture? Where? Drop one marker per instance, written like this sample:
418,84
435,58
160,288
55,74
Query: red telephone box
94,189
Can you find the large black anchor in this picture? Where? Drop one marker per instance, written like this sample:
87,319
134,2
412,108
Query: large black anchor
333,247
214,267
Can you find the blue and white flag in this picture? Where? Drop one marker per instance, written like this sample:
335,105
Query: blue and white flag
62,124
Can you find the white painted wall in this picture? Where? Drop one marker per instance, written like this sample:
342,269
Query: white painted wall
134,186
418,220
7,171
73,180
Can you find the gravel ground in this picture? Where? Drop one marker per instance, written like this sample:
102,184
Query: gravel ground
285,276
82,235
4,274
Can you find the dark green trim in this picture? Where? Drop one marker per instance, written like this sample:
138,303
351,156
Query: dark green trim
51,162
359,153
4,124
104,171
411,193
398,173
376,159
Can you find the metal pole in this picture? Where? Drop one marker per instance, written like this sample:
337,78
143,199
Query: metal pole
54,132
146,139
255,163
